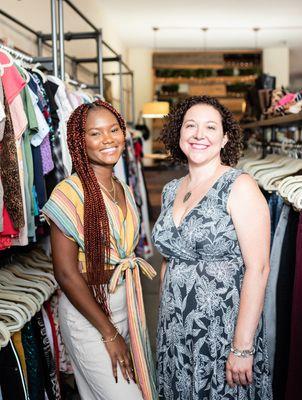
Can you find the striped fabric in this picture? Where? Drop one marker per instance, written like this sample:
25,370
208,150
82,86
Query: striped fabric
66,209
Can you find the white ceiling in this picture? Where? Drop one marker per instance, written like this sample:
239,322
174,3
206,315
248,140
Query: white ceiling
230,22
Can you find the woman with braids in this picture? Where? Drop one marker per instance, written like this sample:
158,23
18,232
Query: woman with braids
213,232
94,231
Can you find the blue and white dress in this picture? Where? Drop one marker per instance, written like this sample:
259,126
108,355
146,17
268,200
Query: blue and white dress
200,301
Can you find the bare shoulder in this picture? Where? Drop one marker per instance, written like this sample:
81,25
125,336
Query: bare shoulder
245,185
245,192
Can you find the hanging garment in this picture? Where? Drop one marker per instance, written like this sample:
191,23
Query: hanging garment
59,172
20,122
17,340
66,209
55,336
64,111
270,302
275,204
50,378
62,357
46,153
12,81
8,231
10,173
34,362
294,376
2,126
12,382
18,116
284,305
200,301
31,130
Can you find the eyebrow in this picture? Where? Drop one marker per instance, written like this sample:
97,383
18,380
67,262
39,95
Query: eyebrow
96,127
192,120
189,120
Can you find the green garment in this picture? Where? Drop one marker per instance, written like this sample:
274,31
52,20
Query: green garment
32,129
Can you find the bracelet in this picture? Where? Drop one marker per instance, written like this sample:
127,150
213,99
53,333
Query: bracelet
112,339
242,353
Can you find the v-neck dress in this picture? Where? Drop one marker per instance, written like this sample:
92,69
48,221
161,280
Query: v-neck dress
200,300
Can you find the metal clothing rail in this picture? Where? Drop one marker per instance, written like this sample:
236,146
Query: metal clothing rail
97,35
58,52
38,35
17,54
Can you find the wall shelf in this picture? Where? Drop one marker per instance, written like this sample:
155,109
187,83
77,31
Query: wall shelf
211,79
282,120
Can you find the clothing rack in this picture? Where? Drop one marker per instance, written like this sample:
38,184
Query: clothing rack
287,146
17,54
24,289
58,52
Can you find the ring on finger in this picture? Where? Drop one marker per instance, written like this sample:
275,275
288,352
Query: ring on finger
122,362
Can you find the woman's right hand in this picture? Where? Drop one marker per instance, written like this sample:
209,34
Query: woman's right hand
119,353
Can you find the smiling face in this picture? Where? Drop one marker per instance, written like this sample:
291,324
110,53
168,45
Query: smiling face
201,134
105,140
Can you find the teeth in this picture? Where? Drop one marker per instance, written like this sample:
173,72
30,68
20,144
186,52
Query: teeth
109,150
199,146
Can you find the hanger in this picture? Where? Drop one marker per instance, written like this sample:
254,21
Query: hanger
290,189
33,294
39,72
4,335
14,321
18,298
10,281
10,61
286,184
36,274
271,180
18,307
24,72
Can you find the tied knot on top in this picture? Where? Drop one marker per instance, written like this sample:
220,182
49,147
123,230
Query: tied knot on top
130,263
142,357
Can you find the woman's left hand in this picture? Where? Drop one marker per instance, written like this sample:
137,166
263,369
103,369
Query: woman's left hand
239,370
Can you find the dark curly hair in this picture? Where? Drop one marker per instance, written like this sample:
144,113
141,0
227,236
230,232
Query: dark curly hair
170,134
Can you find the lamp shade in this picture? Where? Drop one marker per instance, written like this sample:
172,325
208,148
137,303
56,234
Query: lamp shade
155,109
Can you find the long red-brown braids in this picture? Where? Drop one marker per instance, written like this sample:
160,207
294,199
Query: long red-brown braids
96,222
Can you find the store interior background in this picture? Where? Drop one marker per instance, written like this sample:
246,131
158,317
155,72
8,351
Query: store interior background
127,28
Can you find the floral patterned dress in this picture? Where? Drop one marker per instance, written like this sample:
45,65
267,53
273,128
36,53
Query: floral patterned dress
200,301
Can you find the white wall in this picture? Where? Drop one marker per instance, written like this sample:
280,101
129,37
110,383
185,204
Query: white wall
295,57
276,63
140,61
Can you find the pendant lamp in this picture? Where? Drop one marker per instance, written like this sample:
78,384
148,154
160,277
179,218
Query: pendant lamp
155,109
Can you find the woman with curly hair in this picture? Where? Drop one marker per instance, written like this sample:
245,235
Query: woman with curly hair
94,231
213,232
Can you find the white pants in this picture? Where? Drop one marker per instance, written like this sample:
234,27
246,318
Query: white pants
89,357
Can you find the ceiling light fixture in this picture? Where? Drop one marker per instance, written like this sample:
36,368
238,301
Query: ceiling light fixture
155,109
256,32
204,30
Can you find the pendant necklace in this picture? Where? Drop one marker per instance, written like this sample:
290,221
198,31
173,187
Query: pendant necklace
108,191
189,194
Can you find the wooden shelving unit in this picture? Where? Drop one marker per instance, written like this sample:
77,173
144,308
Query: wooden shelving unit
224,74
228,80
284,120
